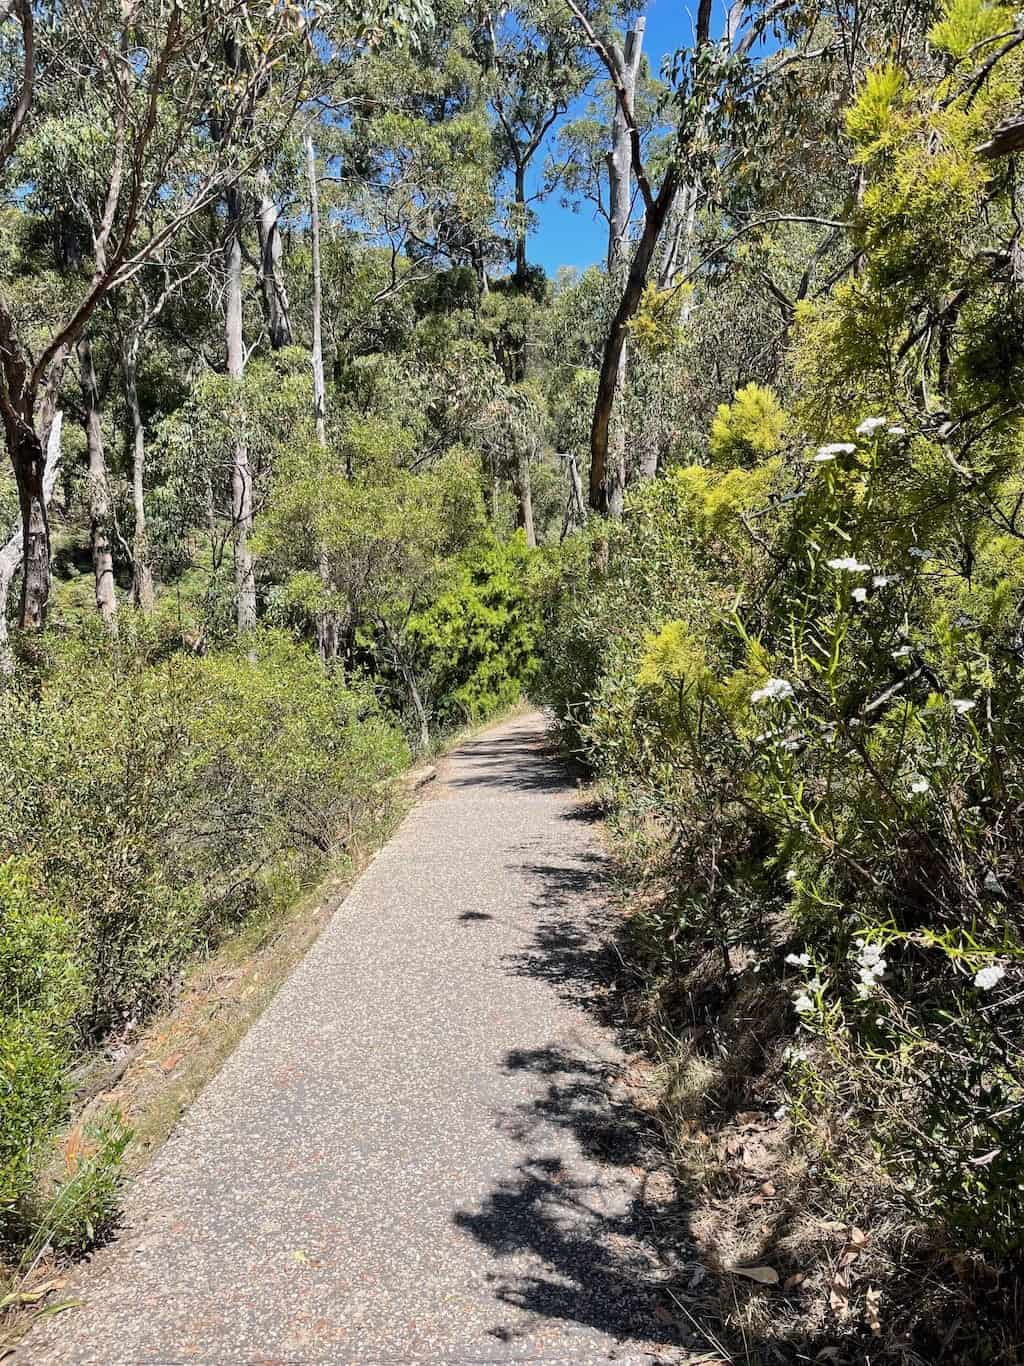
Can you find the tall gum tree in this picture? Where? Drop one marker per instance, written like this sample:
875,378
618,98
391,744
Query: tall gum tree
702,75
148,165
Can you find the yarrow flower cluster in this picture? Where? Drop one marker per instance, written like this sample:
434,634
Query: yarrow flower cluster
919,784
871,966
826,453
849,565
798,960
775,690
986,978
962,705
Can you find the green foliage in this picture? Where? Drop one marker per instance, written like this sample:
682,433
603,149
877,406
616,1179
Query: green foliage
871,119
152,803
749,429
478,635
967,26
40,994
83,1208
799,679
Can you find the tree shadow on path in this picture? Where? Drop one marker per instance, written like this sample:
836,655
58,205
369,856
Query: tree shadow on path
577,1220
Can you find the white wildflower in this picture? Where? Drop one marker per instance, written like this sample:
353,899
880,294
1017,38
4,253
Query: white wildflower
919,784
791,875
870,425
962,705
986,978
775,690
837,448
871,967
897,431
859,594
884,580
798,960
849,565
902,652
781,1112
803,1004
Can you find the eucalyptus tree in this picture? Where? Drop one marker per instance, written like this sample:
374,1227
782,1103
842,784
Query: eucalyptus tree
537,68
712,101
110,124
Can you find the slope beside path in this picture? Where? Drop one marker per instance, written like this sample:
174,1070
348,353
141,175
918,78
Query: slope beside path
413,1155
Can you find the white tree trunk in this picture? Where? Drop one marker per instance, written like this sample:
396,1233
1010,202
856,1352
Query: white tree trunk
620,198
241,470
99,488
272,283
328,633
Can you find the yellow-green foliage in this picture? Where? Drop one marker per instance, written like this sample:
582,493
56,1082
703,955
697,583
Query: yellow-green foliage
873,117
967,23
655,327
718,500
673,657
749,428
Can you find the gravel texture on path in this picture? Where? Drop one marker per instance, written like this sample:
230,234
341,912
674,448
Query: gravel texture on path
413,1155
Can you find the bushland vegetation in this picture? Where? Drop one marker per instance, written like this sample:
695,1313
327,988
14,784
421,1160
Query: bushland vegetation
309,464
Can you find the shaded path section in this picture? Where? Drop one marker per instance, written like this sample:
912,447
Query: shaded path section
413,1155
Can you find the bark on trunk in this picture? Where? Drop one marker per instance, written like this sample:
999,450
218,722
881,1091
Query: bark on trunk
272,285
520,203
29,464
328,632
620,178
524,494
142,574
11,556
99,488
575,506
601,486
241,470
620,200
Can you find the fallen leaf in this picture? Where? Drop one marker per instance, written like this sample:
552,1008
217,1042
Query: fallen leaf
797,1279
171,1061
858,1237
764,1275
871,1302
839,1296
768,1189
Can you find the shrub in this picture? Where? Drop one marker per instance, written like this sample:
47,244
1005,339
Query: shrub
151,801
478,636
40,991
810,726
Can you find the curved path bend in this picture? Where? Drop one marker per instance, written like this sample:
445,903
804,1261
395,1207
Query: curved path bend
415,1155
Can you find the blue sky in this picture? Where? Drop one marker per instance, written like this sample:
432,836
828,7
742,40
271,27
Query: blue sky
565,238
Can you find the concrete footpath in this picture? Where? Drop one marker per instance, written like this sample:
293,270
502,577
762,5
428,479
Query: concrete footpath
413,1155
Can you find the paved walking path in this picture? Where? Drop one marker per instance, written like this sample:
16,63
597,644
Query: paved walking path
412,1156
